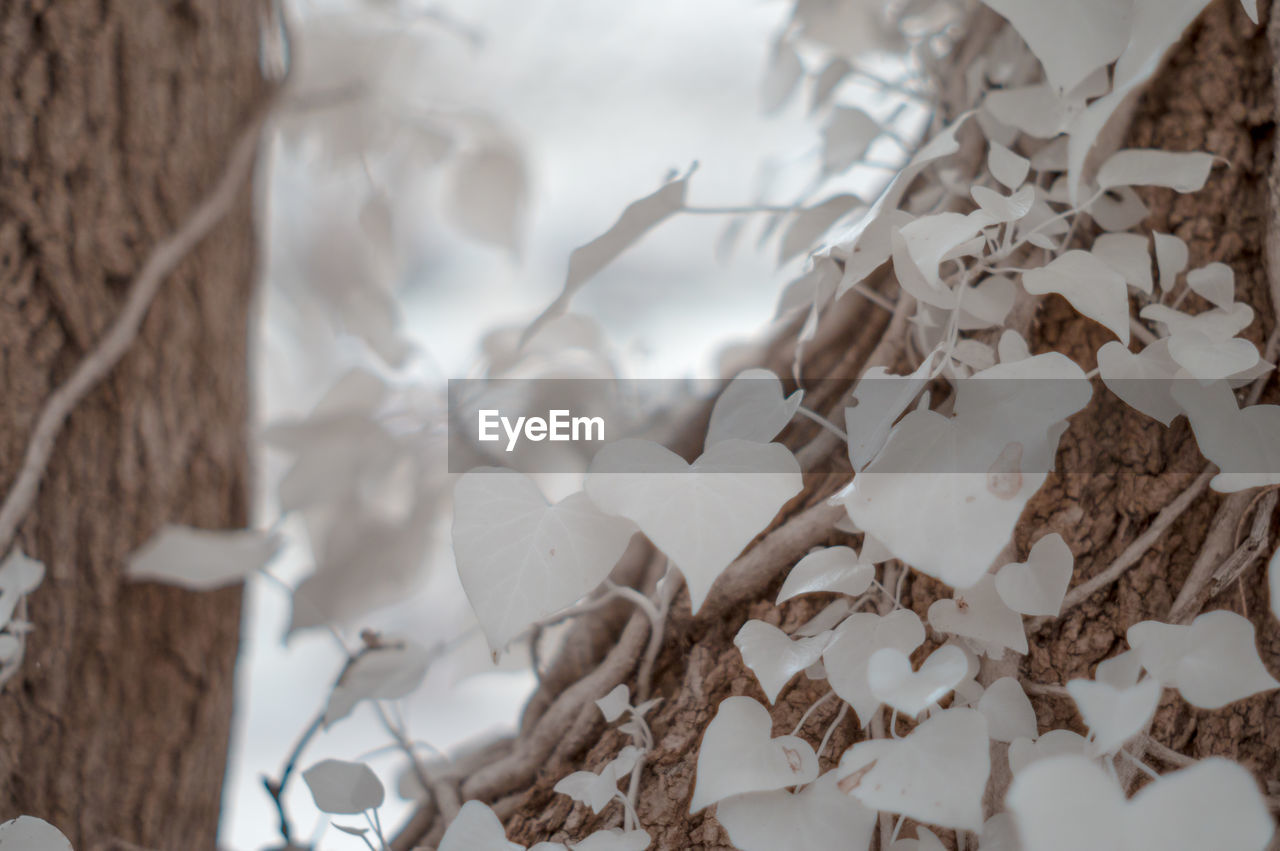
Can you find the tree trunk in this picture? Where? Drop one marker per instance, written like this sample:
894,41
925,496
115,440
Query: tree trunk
116,119
1215,94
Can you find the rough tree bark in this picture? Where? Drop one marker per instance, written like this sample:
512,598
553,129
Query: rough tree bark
1214,93
116,119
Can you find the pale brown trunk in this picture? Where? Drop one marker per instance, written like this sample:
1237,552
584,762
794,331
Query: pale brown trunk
1214,94
115,120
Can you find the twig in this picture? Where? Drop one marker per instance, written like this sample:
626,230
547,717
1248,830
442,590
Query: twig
1166,754
1249,550
1135,551
1217,546
124,330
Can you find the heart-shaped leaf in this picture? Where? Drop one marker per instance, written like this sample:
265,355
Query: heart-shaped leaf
1089,284
848,656
1180,171
1143,381
1208,359
817,818
520,559
1008,711
738,756
936,774
1036,586
774,657
1114,715
979,614
476,828
911,692
1211,662
701,515
1070,802
836,570
752,408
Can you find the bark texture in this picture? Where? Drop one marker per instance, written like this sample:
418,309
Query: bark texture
1215,94
115,119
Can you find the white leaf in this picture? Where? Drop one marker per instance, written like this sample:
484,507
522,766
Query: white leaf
1067,803
1114,715
1183,172
636,220
701,515
1172,257
1012,347
1250,9
1024,752
818,818
1070,803
738,756
1215,283
774,657
848,655
1120,671
1006,166
1207,359
597,790
911,692
1129,254
831,615
1212,662
1118,209
344,788
613,839
986,304
520,559
979,614
920,246
1008,711
1036,110
1216,324
28,833
616,702
835,570
881,398
19,575
847,135
476,828
202,559
1071,40
752,408
1038,585
485,194
382,673
1241,441
1092,287
936,774
1143,381
1004,208
1212,804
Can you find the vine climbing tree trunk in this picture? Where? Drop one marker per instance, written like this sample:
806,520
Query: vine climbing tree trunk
1129,496
117,120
